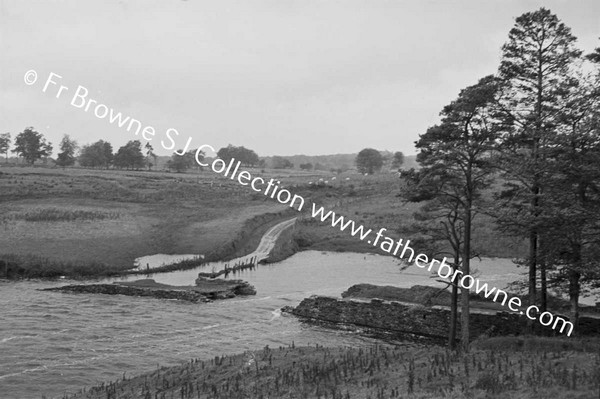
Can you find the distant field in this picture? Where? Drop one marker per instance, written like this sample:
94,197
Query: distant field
373,202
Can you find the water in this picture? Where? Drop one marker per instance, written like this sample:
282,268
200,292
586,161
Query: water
52,343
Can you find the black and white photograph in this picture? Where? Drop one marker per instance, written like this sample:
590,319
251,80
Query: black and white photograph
299,199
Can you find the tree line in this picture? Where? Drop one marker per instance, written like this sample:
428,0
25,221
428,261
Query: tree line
32,146
531,134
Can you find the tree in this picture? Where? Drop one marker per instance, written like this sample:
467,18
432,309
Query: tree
320,166
571,221
369,161
278,162
5,144
244,155
455,157
181,163
47,151
398,160
150,153
130,156
98,154
439,219
106,150
594,56
535,68
66,157
306,166
31,145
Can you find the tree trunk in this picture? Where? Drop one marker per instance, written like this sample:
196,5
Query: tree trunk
464,296
574,290
532,273
543,287
453,309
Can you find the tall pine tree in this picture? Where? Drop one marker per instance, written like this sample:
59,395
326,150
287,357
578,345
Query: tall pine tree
455,157
535,68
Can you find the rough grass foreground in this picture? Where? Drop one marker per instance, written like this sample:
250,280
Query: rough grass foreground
377,372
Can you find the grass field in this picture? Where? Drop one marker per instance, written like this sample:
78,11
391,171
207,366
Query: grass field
80,221
373,202
81,218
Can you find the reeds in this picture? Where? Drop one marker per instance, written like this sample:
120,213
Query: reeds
376,372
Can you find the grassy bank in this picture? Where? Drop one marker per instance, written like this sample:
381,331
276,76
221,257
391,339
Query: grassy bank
81,222
376,206
513,368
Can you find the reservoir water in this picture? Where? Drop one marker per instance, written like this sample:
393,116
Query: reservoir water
54,343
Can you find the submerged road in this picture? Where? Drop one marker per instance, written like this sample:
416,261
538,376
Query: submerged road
267,243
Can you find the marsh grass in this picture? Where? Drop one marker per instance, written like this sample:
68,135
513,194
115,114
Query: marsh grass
373,372
539,344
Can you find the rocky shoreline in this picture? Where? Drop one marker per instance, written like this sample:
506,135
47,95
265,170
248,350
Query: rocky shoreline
204,291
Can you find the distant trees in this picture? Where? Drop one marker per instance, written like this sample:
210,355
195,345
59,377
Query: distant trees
96,155
278,162
369,161
397,160
31,145
66,157
5,144
244,155
130,156
306,166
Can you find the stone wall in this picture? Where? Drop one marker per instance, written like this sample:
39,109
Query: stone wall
394,317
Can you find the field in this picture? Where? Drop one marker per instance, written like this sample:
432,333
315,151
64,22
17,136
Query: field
373,202
84,222
78,219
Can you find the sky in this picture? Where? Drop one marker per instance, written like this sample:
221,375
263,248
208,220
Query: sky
281,77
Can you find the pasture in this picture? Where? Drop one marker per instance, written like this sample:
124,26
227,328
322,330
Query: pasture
87,221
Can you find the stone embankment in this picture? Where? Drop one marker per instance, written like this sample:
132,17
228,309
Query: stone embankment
204,291
401,319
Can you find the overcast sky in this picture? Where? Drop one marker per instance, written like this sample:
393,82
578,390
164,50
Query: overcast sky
280,77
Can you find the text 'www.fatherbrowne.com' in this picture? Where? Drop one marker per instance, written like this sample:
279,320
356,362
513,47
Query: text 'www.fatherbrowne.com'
401,249
80,98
